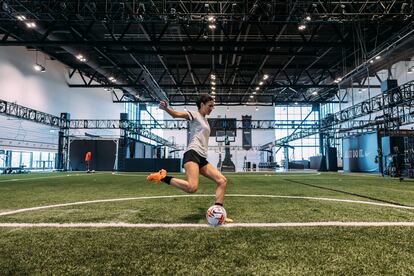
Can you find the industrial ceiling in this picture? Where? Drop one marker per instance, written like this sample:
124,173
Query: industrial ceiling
261,52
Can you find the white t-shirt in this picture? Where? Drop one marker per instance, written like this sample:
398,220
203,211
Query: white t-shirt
199,133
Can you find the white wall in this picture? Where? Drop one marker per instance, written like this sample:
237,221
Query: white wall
47,92
399,72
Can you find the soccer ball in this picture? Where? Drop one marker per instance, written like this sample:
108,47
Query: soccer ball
216,215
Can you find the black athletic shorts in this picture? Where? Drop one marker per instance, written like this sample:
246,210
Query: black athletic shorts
193,156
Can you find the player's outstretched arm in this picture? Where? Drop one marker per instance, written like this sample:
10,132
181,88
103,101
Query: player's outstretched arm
172,112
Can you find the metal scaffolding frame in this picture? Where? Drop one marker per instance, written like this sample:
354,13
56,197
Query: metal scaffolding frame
392,109
165,49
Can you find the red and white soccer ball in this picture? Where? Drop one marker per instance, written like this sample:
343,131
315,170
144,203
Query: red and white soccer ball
216,215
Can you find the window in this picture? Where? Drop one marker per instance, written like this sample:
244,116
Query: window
148,115
2,160
294,117
26,159
30,160
16,155
36,159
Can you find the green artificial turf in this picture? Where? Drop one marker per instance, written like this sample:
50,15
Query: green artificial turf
312,251
280,251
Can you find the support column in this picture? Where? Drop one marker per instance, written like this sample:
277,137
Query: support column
62,162
123,144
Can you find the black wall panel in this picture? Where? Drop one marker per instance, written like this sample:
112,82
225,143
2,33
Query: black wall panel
103,154
331,159
247,133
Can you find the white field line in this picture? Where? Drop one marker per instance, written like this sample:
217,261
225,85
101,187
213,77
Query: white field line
33,178
236,174
201,195
44,177
131,175
276,174
373,175
194,225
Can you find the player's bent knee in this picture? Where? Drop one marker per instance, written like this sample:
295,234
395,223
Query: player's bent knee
222,182
192,189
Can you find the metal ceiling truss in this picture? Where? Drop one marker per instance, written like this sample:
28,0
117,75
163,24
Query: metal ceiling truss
230,99
386,102
188,10
22,112
25,113
259,44
399,46
157,49
220,124
388,110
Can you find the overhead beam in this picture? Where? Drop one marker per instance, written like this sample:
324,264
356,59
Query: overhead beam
193,86
224,86
140,43
184,51
206,66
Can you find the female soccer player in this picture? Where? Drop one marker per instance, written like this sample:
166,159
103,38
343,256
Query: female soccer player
195,157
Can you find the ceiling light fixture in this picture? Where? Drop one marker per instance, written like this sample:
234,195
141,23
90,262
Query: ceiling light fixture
39,68
30,25
265,76
213,77
21,17
81,58
261,83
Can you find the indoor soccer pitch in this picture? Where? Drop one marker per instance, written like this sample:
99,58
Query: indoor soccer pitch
284,223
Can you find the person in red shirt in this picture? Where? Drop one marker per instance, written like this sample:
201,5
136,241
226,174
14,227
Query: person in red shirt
88,159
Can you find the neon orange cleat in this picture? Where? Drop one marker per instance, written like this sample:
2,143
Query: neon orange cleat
157,176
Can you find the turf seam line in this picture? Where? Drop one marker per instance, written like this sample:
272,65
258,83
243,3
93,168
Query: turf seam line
230,225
